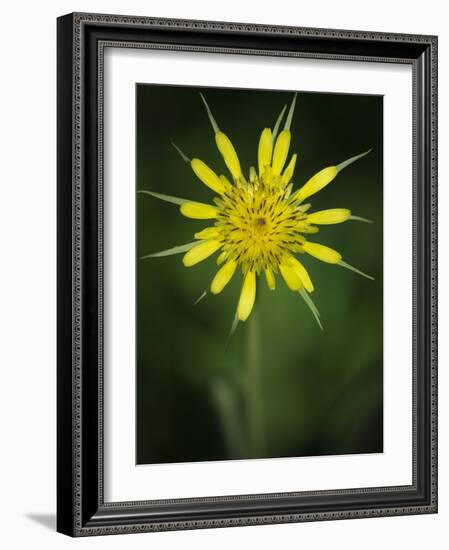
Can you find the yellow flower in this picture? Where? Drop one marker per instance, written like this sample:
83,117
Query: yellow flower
259,225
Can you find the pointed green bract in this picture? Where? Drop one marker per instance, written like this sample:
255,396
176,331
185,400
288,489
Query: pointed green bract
198,300
347,266
235,322
166,198
170,251
278,123
359,219
346,163
291,111
308,300
184,157
209,114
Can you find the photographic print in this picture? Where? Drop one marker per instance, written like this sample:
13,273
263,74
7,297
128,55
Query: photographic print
247,274
259,274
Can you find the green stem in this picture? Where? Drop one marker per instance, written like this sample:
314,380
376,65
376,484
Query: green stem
227,408
253,386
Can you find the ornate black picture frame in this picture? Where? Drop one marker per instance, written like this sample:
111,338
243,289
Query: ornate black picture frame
81,509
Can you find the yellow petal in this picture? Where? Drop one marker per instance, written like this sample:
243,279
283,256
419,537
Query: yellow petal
281,151
207,176
301,271
228,153
321,252
252,174
268,175
222,257
290,277
326,217
198,210
288,172
304,227
227,184
200,252
271,281
208,233
222,277
247,296
265,149
316,183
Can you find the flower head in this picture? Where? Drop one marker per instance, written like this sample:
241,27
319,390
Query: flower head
260,224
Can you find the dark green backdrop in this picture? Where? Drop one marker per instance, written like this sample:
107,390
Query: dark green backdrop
318,392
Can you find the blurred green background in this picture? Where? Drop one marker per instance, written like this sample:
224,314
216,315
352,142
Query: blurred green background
315,393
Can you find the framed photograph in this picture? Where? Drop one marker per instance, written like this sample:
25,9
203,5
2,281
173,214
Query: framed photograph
246,274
